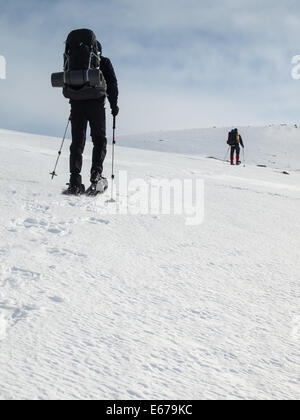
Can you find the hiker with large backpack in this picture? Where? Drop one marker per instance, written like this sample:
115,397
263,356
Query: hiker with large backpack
235,141
87,80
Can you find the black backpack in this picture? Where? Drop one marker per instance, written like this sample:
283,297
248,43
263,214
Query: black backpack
82,60
232,138
81,52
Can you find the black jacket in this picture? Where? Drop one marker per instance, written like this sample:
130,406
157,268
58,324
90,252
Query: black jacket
241,141
111,80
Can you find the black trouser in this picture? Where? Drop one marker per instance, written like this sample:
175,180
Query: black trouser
236,149
82,112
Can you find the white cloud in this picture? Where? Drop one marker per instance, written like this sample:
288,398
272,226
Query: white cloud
180,63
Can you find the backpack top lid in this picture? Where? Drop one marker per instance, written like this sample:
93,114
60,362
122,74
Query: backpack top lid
81,36
81,52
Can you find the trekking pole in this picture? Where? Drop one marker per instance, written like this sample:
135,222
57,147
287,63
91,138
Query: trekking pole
113,159
226,153
53,174
244,155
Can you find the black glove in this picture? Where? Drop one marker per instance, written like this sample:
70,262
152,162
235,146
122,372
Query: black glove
114,110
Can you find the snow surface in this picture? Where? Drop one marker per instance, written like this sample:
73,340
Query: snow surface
94,305
274,146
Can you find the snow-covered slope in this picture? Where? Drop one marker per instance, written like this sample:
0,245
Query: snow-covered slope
274,146
99,305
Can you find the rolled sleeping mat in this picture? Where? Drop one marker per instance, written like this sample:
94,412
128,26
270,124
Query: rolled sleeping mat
57,80
93,77
76,77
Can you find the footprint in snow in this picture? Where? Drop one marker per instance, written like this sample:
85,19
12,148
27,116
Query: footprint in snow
65,253
17,277
56,299
39,226
3,252
28,223
94,221
11,314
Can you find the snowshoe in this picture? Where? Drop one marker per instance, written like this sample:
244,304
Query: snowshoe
95,177
98,187
75,190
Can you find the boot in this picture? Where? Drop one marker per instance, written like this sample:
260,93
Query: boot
99,184
238,162
75,189
95,177
231,160
75,186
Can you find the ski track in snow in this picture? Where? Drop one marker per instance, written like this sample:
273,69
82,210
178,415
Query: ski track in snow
94,305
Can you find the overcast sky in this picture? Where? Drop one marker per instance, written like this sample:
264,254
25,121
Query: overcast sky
180,63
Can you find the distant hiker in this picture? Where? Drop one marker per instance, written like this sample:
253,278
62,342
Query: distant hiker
84,62
235,141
